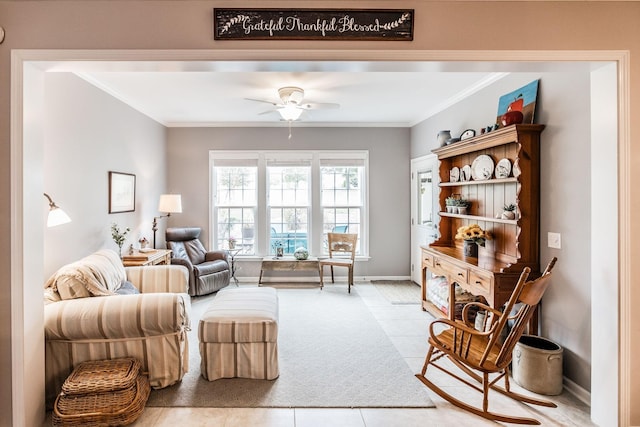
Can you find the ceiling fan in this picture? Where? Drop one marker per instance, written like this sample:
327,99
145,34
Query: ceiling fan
291,105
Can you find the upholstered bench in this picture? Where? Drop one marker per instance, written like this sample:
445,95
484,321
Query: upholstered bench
238,335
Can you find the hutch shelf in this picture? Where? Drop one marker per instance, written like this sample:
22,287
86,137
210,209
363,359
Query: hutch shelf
514,245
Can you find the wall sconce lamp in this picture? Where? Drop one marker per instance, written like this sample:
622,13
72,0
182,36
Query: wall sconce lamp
56,215
169,203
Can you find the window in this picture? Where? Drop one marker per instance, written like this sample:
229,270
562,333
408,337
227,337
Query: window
342,196
289,199
235,204
289,205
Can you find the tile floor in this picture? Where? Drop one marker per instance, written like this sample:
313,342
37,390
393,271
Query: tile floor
406,325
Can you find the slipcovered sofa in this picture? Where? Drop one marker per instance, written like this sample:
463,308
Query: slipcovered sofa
209,271
93,311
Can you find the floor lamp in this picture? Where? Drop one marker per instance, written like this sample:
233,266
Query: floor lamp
169,203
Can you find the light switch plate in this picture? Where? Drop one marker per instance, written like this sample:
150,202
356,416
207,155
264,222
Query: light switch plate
554,240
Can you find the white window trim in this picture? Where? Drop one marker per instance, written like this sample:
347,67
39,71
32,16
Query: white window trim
262,220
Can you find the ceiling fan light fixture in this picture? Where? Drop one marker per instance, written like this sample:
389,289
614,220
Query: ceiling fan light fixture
290,112
291,95
291,106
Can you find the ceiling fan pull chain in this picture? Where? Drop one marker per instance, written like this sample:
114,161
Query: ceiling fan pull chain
289,129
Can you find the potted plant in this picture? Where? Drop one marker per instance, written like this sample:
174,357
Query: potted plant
450,203
473,237
232,242
119,236
509,211
462,206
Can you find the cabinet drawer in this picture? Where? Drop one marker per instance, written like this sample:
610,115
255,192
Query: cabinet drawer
480,280
427,260
455,273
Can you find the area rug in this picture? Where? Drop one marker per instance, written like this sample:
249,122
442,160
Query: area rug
399,291
332,353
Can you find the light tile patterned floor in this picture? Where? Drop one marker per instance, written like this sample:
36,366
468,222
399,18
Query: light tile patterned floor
406,326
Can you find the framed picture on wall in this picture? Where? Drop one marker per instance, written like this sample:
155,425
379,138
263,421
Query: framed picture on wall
523,100
122,192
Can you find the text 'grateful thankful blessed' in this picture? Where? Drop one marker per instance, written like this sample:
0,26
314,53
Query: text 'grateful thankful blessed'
312,24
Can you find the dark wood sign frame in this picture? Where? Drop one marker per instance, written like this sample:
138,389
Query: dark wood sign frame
313,24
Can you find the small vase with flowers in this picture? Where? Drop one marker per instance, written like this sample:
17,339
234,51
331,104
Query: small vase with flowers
473,236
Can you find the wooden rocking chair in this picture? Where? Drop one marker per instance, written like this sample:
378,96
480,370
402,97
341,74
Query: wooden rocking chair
488,352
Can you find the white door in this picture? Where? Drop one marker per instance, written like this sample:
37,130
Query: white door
424,209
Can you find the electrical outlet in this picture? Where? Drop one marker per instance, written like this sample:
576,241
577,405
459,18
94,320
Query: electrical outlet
554,240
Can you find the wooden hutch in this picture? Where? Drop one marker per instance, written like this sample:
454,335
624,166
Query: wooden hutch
494,273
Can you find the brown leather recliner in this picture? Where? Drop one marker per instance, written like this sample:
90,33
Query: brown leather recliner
209,271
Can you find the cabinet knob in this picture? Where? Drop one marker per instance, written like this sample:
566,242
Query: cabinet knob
460,274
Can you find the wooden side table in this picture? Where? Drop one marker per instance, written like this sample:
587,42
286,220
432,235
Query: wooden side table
288,264
155,257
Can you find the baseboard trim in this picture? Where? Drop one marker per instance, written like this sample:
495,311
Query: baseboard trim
369,278
580,393
307,279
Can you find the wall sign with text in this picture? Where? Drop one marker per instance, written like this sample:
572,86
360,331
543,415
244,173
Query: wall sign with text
312,24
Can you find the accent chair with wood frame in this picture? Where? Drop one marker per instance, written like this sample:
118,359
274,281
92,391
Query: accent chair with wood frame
485,352
342,253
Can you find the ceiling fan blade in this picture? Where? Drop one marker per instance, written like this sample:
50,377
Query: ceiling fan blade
319,105
292,107
275,104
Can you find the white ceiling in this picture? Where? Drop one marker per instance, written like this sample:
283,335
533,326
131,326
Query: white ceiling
207,93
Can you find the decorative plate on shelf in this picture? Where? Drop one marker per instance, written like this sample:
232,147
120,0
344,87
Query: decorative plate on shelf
469,133
482,168
503,168
465,173
515,169
454,174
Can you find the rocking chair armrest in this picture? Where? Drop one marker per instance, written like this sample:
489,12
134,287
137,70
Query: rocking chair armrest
483,306
479,307
456,325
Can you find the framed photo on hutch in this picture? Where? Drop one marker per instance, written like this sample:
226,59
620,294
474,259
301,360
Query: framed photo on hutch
122,192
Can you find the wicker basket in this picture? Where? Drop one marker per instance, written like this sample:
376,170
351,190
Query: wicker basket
95,376
102,393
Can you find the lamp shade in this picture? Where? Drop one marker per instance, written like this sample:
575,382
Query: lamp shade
170,203
56,215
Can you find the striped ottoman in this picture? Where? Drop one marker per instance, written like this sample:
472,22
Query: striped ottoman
238,335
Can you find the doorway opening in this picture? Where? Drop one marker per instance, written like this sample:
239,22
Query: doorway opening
26,148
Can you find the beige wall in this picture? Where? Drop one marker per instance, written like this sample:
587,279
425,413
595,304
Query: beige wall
188,167
493,26
563,107
89,133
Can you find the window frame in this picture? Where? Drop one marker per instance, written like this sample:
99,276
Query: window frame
238,161
334,162
315,227
293,163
